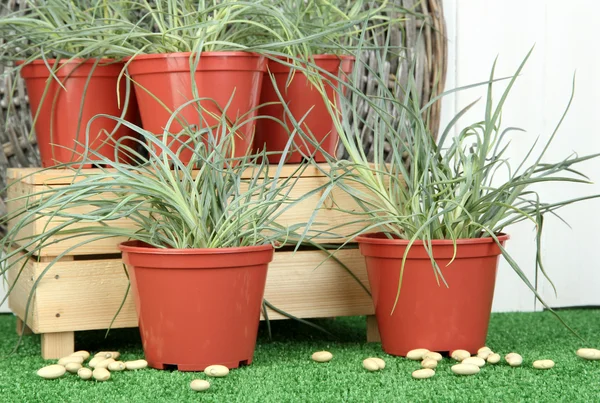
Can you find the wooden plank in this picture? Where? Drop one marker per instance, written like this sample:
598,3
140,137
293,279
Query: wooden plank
37,176
297,286
57,345
85,295
372,330
22,328
328,216
17,299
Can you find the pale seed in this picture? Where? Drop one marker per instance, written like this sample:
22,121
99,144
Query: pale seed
116,366
94,361
589,353
72,358
480,362
73,367
416,354
216,370
370,365
433,355
429,363
137,364
84,373
460,355
52,371
380,362
199,385
322,356
81,353
465,369
513,359
101,374
493,358
423,373
543,364
105,363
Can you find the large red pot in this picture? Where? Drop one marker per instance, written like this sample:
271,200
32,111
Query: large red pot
197,307
300,96
163,82
63,115
429,315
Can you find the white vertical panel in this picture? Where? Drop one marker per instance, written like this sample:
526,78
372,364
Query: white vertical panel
571,43
486,31
564,39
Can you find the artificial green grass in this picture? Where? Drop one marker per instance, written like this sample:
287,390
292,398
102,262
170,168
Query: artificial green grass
283,372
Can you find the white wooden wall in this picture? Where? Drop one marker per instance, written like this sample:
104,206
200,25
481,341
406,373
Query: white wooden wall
565,40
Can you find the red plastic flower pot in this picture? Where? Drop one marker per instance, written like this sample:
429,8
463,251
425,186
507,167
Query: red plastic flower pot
300,96
197,307
88,91
438,318
229,80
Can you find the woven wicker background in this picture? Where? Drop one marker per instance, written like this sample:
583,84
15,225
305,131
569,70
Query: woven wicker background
424,39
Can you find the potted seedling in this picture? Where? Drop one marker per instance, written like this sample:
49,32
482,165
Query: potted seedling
62,49
191,50
436,213
305,82
197,256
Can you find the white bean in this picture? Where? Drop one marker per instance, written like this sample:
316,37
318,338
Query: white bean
101,374
199,385
493,358
52,371
322,356
480,362
513,359
465,369
417,354
589,353
423,373
543,364
137,364
216,370
460,355
370,365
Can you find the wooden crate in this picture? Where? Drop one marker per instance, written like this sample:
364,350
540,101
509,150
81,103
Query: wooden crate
85,288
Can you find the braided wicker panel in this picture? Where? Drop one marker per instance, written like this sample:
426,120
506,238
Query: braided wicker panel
424,39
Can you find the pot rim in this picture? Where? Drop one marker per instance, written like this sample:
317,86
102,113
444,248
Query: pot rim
224,53
375,239
143,248
69,61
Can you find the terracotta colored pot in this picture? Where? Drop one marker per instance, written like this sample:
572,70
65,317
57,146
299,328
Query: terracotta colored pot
300,96
197,307
222,77
56,127
438,318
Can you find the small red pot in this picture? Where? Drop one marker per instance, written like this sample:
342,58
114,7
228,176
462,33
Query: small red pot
300,96
197,307
438,318
56,127
165,80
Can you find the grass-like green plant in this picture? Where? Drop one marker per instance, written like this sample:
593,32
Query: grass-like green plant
213,201
411,187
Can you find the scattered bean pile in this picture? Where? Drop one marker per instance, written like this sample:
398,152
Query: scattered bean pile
99,367
104,363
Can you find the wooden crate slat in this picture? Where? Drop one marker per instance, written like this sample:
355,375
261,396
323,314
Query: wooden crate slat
327,217
87,293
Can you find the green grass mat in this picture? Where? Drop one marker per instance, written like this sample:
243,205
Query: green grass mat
283,372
